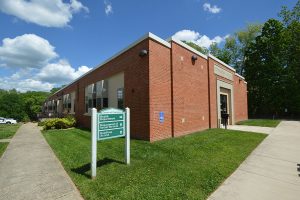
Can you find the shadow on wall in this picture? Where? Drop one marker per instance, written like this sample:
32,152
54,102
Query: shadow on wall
85,168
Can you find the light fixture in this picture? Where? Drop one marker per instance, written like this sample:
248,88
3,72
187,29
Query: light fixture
194,58
143,53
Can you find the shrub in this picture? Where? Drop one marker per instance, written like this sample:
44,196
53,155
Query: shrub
41,123
59,123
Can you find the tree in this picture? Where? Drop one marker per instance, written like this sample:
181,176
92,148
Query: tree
222,54
55,89
237,45
289,16
197,47
12,106
265,69
291,20
33,101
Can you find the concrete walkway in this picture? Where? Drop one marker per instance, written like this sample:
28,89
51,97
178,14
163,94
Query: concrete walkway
270,172
257,129
30,170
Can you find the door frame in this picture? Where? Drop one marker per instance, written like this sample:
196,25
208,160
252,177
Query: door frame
222,84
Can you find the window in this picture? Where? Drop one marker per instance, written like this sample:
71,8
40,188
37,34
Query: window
96,96
89,97
49,106
67,103
54,106
120,97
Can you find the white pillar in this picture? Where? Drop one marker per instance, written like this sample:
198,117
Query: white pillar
127,137
94,142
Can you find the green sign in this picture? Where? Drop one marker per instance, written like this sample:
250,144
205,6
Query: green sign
110,124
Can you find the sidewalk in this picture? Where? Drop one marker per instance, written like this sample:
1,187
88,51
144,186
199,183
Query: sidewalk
30,170
257,129
270,172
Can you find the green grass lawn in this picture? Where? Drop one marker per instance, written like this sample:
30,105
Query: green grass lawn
8,130
189,167
3,146
260,122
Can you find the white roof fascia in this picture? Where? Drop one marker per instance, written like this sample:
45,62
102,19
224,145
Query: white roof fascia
148,35
187,47
158,39
240,76
220,61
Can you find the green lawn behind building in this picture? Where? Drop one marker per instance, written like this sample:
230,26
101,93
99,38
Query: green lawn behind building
260,122
189,167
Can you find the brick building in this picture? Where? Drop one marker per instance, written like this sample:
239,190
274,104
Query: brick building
171,89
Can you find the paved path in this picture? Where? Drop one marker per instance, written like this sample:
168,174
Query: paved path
257,129
270,172
30,170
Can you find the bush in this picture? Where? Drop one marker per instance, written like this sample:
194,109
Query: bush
59,123
41,123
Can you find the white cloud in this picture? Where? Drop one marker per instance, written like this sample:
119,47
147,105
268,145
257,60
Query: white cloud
197,38
24,85
35,65
212,9
49,13
108,7
61,72
26,51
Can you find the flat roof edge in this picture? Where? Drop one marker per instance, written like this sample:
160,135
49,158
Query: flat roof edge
147,35
187,47
220,61
240,76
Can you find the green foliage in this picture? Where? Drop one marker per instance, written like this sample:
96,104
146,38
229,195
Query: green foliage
198,48
53,90
265,69
221,54
290,16
236,46
21,106
12,106
273,67
189,167
59,123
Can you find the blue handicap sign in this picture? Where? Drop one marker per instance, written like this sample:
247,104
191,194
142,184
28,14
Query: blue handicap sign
161,117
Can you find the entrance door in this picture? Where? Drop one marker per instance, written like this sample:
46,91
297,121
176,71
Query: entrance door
224,103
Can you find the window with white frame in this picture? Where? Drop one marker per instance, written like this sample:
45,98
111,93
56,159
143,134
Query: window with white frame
120,98
67,103
96,96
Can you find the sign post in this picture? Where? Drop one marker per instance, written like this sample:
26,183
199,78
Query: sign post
107,124
94,142
127,137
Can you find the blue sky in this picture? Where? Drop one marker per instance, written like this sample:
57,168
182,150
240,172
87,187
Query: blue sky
44,44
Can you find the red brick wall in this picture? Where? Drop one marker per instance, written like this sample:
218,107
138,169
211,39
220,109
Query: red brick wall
190,91
213,89
149,83
212,94
240,99
160,91
136,85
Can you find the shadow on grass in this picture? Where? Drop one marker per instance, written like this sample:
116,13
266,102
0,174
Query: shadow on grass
85,168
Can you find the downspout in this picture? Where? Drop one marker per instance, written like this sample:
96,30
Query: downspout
209,103
172,93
